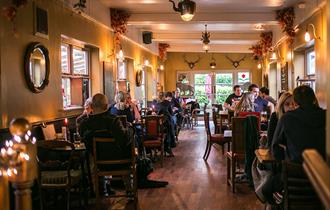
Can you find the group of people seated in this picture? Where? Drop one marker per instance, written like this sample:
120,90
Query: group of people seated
98,115
296,123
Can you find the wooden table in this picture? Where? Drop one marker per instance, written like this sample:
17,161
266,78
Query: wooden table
264,157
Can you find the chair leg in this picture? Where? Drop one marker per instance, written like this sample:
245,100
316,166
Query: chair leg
207,146
162,156
228,146
68,200
228,170
233,173
97,192
209,150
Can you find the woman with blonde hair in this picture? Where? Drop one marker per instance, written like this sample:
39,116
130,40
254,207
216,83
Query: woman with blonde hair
246,104
285,104
121,108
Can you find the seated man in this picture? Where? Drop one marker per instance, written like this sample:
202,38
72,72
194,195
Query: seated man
264,93
260,104
297,130
233,98
102,120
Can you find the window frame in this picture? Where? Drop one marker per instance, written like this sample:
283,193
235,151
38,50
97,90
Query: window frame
71,75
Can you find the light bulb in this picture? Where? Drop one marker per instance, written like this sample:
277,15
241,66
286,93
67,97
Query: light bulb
206,47
146,62
187,17
274,57
307,36
161,67
259,66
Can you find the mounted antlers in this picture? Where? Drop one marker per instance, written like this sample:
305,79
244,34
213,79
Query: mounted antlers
236,63
191,64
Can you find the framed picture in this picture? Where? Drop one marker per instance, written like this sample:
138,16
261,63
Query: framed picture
40,22
183,77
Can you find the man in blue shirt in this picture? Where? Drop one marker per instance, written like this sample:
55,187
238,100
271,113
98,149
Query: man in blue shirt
260,104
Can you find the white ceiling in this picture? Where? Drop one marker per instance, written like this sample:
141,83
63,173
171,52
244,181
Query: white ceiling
232,23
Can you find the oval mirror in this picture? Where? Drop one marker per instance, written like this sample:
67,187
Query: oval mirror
36,67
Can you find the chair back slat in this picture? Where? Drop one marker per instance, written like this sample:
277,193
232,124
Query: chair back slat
298,191
238,135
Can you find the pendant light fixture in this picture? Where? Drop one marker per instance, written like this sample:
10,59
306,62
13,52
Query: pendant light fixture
206,39
186,8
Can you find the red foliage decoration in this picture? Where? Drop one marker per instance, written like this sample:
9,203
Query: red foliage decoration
10,10
119,20
266,40
257,51
286,17
162,50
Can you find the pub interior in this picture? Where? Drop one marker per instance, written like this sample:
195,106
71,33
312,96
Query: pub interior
155,104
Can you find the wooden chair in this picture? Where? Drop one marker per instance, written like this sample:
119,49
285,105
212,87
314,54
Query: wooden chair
213,138
298,191
109,162
198,113
257,114
153,136
59,168
237,153
187,118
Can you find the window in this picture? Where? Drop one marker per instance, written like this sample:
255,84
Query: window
310,62
224,86
75,75
243,77
203,87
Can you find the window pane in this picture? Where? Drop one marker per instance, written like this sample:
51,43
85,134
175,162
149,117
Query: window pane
122,66
85,89
243,77
66,92
203,79
311,62
80,64
224,83
65,59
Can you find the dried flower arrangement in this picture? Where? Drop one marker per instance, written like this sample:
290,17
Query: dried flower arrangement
286,17
119,20
266,40
162,50
10,9
257,51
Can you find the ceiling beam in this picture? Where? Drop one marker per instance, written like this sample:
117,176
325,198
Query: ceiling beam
168,18
214,48
214,36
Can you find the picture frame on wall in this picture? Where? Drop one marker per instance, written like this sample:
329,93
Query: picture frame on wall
40,22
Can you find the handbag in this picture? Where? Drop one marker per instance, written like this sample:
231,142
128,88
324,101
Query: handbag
260,176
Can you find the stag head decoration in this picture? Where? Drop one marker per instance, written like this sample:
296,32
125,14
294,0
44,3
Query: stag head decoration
237,62
191,64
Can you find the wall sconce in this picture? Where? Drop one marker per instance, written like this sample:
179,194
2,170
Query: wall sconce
146,62
186,8
259,66
274,56
308,36
161,67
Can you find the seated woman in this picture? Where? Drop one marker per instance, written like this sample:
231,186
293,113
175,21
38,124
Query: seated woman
285,104
246,104
133,107
121,108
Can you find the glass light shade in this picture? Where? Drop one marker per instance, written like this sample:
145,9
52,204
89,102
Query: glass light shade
161,67
307,36
259,66
187,17
213,65
146,62
274,57
206,47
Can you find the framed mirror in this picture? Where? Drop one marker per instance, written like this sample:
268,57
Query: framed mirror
36,67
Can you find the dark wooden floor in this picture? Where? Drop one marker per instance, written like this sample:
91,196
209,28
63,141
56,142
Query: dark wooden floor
194,183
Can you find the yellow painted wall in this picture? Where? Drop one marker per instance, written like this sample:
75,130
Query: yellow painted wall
16,100
175,62
297,69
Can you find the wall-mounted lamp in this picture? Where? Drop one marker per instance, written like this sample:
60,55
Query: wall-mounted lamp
308,36
259,66
161,67
146,62
274,56
186,8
